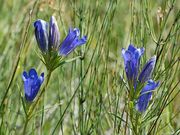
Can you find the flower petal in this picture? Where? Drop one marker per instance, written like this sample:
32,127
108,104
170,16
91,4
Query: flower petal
131,62
136,51
71,41
78,42
25,76
33,73
131,48
139,52
129,65
145,95
32,84
54,34
41,34
147,70
41,78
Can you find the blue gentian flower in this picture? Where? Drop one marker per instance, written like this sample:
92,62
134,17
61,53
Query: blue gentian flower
146,95
131,61
131,58
32,83
71,41
41,34
147,70
54,34
47,41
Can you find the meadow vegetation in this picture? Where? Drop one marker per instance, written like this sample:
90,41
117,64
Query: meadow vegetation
88,93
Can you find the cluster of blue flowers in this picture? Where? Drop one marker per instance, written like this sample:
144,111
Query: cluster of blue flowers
48,39
135,78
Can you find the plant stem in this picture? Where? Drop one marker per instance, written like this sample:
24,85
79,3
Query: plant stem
134,126
25,126
36,102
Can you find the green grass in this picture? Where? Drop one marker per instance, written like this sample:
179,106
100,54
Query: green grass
89,96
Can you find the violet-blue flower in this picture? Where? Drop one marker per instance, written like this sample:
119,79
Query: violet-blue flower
49,38
145,95
32,83
54,34
132,62
71,41
147,70
41,34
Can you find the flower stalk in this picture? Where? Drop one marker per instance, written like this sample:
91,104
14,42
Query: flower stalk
140,84
33,106
52,54
41,93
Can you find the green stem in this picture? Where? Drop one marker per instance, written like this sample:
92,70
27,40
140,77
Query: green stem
36,102
126,124
25,126
134,126
40,95
81,100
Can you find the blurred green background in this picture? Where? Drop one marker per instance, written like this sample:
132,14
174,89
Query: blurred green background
98,105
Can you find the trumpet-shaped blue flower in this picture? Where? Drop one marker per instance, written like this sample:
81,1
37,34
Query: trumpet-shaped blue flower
54,35
131,62
46,41
145,95
32,83
72,41
147,70
41,34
